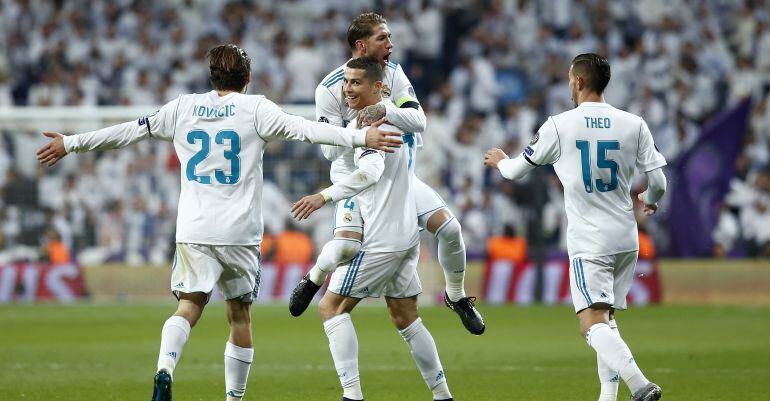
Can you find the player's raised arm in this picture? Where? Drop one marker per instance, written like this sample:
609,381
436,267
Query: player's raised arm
160,125
371,165
273,123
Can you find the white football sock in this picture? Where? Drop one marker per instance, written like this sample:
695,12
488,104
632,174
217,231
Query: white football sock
237,364
608,378
426,357
334,253
343,344
173,337
616,355
451,257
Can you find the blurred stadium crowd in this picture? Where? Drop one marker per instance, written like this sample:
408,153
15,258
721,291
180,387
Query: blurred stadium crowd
487,73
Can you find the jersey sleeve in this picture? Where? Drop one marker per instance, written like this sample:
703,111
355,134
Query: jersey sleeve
648,157
327,110
272,123
157,125
405,111
369,171
545,147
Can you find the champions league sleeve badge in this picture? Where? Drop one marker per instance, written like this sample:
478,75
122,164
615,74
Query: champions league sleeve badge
385,90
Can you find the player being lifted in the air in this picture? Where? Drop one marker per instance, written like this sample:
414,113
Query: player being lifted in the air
219,138
387,261
368,35
594,150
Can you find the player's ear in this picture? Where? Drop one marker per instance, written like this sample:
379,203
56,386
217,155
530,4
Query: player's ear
377,86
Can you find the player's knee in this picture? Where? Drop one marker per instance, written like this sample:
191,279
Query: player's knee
326,309
344,249
451,232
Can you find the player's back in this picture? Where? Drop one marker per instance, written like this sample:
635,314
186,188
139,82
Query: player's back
600,149
220,153
387,207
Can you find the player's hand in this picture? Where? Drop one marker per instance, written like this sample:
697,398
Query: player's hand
369,114
304,207
493,157
648,210
385,141
53,151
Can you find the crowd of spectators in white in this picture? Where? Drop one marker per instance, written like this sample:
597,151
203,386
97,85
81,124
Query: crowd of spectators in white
486,72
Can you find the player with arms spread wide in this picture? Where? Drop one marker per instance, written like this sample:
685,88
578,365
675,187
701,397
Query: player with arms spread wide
387,262
594,150
219,138
368,35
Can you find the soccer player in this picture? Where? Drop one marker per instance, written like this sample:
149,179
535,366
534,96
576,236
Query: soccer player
387,262
219,138
594,149
368,35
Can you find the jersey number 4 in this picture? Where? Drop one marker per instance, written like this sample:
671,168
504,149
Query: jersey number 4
231,154
601,162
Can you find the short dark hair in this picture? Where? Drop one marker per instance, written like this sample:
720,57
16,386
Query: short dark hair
594,69
361,27
370,65
229,67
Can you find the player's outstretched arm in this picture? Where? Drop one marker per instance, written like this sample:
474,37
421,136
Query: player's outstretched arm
116,136
159,124
511,169
370,168
272,123
656,187
405,114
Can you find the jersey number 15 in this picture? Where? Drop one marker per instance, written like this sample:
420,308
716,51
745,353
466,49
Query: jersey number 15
230,154
601,162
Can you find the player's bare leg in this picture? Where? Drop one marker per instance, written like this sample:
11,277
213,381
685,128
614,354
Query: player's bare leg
403,313
451,257
334,311
239,351
174,336
339,250
613,351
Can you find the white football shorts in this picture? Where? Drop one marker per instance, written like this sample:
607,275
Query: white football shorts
234,268
375,274
347,216
602,279
347,213
427,200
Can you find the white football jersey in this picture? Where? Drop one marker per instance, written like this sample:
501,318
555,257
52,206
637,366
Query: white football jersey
331,107
219,142
387,207
595,149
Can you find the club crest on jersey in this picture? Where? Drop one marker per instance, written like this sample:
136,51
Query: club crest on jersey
535,138
347,217
385,90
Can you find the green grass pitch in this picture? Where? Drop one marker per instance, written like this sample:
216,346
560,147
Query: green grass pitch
108,352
